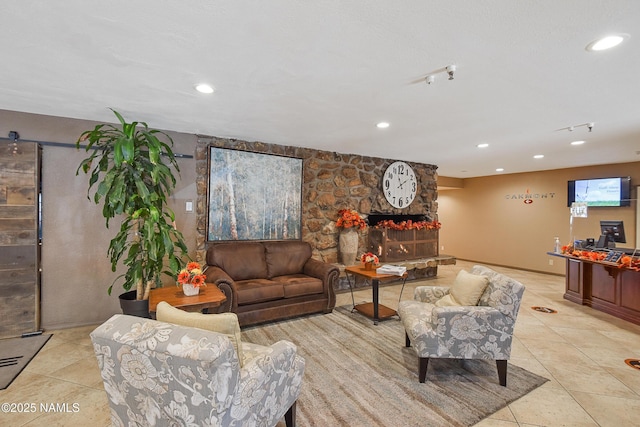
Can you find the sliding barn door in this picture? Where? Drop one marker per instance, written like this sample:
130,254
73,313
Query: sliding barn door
19,238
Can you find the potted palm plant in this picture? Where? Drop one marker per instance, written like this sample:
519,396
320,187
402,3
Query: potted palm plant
132,168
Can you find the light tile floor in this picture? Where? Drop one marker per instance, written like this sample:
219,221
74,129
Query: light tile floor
580,350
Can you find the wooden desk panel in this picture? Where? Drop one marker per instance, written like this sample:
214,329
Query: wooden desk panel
603,282
604,287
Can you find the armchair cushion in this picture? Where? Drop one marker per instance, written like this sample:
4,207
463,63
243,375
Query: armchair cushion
223,323
466,290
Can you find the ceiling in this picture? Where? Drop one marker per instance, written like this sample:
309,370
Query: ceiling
321,74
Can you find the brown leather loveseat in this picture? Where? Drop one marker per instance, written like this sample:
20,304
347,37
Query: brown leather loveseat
266,281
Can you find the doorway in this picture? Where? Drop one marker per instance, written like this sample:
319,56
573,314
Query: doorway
19,238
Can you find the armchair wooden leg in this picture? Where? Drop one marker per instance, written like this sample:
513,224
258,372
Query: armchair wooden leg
407,341
424,361
290,416
502,372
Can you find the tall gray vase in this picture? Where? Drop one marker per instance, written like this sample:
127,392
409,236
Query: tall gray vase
348,246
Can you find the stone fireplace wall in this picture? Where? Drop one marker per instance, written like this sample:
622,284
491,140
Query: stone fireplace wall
331,181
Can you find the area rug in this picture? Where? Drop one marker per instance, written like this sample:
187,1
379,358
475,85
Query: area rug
361,374
15,355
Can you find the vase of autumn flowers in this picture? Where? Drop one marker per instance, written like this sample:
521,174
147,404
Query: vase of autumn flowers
191,278
370,260
349,222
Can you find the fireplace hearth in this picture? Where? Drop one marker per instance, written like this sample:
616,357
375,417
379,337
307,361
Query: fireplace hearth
400,245
374,218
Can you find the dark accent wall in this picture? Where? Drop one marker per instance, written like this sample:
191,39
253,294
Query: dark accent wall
331,181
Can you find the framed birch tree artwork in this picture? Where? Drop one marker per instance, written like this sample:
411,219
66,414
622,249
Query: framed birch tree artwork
253,196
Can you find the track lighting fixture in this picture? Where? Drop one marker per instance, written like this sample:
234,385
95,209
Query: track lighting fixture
449,69
589,126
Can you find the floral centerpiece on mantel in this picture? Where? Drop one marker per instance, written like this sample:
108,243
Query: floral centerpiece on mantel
191,278
409,225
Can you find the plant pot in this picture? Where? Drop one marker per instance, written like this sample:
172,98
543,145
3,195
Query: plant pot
368,266
190,290
348,246
132,306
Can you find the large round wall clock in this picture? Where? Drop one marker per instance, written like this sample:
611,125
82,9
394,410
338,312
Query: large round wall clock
399,185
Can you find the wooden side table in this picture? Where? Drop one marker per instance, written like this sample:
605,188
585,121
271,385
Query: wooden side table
373,309
209,297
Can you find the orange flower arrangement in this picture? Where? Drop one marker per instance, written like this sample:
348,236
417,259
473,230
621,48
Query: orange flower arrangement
630,262
369,257
192,274
409,225
348,218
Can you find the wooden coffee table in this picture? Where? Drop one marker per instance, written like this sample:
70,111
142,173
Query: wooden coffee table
209,297
373,309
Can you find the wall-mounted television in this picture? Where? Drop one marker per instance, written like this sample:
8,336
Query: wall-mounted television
600,191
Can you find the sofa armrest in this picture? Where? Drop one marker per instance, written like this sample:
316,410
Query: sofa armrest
326,272
224,282
430,294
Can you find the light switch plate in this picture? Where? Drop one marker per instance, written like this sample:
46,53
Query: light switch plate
188,206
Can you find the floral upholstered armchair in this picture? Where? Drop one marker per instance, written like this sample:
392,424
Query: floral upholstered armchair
162,374
472,319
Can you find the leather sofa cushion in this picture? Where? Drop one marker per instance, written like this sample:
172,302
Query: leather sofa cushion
258,290
296,285
287,257
242,261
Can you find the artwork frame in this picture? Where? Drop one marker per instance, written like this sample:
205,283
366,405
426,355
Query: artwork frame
253,196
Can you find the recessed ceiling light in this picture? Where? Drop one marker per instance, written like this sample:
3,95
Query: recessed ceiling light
538,156
204,88
483,145
383,125
500,170
607,42
577,143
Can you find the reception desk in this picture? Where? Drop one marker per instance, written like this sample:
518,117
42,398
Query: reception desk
603,286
